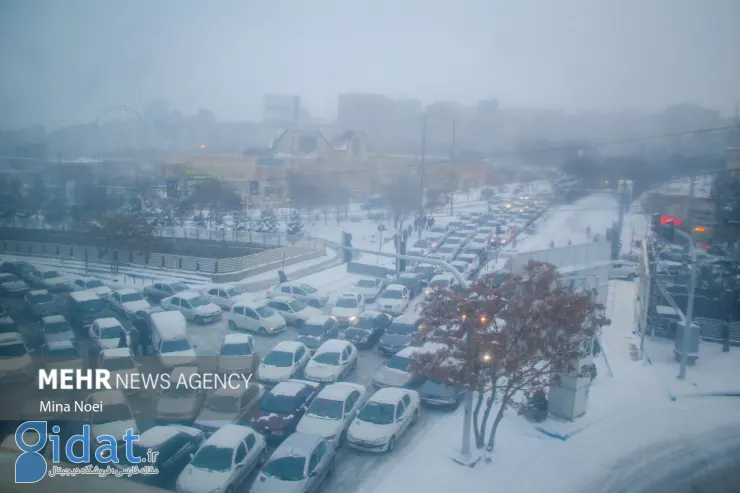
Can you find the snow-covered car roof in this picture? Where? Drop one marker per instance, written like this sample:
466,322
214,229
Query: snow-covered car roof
350,295
188,295
169,321
80,296
57,345
395,287
120,352
107,322
468,255
229,436
332,346
339,391
428,348
408,275
390,395
37,292
54,319
251,304
283,298
238,339
157,435
288,346
459,262
296,445
127,291
290,388
10,337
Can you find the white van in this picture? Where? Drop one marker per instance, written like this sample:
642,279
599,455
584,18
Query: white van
170,339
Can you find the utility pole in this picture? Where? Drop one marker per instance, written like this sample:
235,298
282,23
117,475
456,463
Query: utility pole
469,323
623,192
293,136
421,169
689,319
452,165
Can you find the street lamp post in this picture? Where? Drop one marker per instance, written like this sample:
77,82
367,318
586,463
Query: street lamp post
421,170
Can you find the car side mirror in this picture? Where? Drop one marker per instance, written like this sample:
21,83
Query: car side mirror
313,474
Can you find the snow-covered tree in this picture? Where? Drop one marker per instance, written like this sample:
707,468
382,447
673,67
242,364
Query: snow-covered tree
268,222
294,223
509,342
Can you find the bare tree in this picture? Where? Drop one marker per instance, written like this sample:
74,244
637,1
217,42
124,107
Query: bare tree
401,199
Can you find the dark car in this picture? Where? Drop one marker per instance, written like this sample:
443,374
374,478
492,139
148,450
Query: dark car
12,285
318,330
404,331
437,394
367,329
282,407
8,325
83,308
40,303
427,271
174,446
412,281
19,268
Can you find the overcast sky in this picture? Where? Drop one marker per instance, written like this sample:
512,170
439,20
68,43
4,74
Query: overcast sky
65,61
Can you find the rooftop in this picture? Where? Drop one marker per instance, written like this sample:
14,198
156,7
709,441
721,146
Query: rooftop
54,319
288,388
239,339
340,390
288,346
81,296
332,346
389,395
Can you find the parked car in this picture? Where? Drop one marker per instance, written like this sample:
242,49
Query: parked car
255,317
50,280
116,415
128,301
8,325
448,252
174,445
333,360
94,285
348,307
426,271
394,299
295,312
84,307
105,333
224,461
285,361
624,270
478,244
41,303
421,247
462,267
15,357
62,355
228,406
56,328
317,330
367,329
472,260
225,296
20,268
383,420
440,281
399,372
300,291
438,394
193,306
331,412
299,465
159,290
120,363
12,285
180,403
412,281
282,407
404,331
370,288
237,354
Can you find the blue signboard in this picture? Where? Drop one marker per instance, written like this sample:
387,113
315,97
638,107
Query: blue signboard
271,161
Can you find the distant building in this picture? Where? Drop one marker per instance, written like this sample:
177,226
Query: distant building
372,114
282,109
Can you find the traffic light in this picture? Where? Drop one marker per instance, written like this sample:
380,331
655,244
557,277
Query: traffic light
346,242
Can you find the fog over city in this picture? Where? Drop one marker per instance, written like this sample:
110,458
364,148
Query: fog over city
63,62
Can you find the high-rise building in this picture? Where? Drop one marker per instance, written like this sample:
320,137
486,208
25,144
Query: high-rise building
372,114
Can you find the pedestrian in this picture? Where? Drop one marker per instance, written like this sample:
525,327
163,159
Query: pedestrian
134,340
410,229
122,342
552,244
145,335
569,242
431,222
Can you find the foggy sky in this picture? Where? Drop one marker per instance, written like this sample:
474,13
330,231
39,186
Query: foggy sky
65,61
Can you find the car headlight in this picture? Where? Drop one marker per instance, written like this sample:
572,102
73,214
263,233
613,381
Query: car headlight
352,319
271,329
428,291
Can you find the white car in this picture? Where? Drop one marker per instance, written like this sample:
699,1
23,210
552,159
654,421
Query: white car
255,317
394,299
56,328
50,279
106,332
224,461
448,252
295,312
471,259
624,269
226,296
116,416
193,306
399,370
333,360
237,354
462,267
383,419
478,243
440,281
120,363
300,291
370,288
332,411
285,361
94,285
348,307
128,301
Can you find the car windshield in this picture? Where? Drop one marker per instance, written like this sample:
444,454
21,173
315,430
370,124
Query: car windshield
56,327
377,413
312,330
94,284
92,306
392,294
128,297
110,332
280,359
307,288
288,468
326,408
297,305
400,329
112,413
440,283
399,363
50,274
213,458
240,349
365,283
118,364
63,353
234,291
223,403
436,388
346,303
281,404
265,311
421,244
40,298
175,345
365,323
178,287
12,350
327,358
198,301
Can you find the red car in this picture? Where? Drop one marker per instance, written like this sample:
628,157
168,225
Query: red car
282,407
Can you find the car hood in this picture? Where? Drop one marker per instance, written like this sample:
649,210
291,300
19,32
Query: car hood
390,302
321,371
368,432
196,480
276,321
133,306
324,427
275,372
265,420
208,309
345,312
15,364
309,312
271,484
109,343
176,405
114,428
213,420
392,378
235,363
178,358
67,335
312,342
102,291
395,340
15,285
